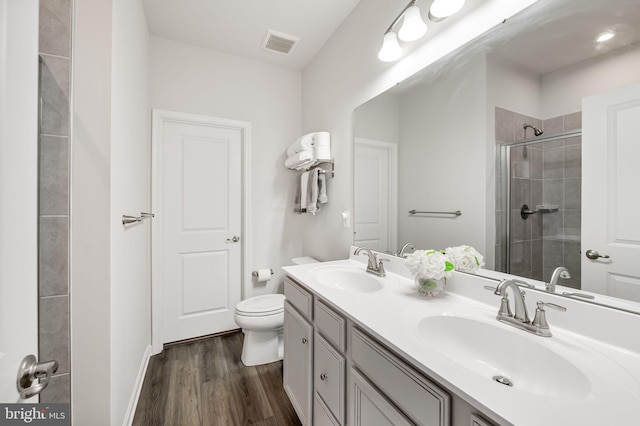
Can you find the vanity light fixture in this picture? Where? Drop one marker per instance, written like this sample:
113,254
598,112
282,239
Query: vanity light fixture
441,9
413,27
607,35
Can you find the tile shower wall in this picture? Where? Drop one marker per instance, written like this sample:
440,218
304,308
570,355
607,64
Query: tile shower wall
562,185
544,173
54,148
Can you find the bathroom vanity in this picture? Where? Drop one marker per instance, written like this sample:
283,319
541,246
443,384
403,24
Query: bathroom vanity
368,350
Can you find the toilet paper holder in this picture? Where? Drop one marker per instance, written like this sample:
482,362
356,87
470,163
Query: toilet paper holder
255,273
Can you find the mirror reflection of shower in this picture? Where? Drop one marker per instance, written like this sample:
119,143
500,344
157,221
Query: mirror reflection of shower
539,204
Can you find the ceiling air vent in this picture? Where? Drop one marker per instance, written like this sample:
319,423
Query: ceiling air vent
279,42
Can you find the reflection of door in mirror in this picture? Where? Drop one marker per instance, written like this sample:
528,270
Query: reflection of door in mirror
611,198
375,171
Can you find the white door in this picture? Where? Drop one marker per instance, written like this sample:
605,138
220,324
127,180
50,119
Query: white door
375,204
199,212
610,194
18,189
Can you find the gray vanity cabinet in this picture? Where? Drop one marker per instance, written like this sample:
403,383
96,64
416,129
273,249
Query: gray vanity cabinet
336,373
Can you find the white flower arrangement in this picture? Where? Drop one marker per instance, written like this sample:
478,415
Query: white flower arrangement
465,258
433,264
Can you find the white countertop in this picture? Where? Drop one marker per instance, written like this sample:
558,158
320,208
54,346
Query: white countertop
392,314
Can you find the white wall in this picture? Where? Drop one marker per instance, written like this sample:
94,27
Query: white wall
130,194
563,90
442,152
346,73
91,213
512,88
378,119
190,79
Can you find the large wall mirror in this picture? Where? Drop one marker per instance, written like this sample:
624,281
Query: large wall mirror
523,144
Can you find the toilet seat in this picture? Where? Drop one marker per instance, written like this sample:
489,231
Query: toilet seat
268,304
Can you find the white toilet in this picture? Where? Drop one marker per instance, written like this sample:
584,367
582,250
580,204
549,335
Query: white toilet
261,319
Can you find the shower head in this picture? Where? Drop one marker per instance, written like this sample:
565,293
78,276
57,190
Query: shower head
536,131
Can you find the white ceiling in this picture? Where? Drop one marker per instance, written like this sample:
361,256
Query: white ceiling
560,34
239,27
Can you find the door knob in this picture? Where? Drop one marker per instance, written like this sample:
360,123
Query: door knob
31,371
593,255
234,239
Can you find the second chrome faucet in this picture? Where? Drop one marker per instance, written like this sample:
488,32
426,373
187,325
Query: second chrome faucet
520,317
373,265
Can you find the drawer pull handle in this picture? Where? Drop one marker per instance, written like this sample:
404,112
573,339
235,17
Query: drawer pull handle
304,340
323,377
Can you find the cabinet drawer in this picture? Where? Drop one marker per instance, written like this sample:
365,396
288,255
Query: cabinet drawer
300,298
369,407
477,420
329,377
420,399
321,414
330,324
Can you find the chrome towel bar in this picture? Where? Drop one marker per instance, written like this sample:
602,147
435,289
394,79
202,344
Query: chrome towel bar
136,219
456,213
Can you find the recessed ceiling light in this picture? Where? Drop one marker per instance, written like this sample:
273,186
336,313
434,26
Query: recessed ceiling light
607,35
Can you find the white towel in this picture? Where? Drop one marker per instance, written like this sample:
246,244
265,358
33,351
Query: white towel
299,160
304,187
303,143
312,192
322,189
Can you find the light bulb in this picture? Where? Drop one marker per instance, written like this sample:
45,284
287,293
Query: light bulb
390,50
441,9
413,27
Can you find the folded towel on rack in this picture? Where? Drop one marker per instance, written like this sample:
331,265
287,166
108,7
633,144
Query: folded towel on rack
322,188
312,192
300,160
304,189
303,143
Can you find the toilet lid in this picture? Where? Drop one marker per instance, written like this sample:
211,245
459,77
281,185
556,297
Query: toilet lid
265,304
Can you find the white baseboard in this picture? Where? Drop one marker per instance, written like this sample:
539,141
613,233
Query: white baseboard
133,403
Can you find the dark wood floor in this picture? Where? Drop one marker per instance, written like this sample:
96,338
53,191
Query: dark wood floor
205,383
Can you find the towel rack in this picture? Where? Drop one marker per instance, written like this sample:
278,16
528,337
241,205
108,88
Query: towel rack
456,213
136,219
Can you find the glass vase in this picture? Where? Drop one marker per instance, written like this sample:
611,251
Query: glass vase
428,287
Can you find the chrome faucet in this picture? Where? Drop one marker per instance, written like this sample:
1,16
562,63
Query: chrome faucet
520,319
373,265
409,246
559,272
521,313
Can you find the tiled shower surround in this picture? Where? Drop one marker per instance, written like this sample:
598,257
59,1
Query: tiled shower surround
545,173
54,149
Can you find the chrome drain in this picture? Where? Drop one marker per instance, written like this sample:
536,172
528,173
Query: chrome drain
503,380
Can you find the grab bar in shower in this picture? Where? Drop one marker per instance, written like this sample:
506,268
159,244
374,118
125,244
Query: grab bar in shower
456,213
136,219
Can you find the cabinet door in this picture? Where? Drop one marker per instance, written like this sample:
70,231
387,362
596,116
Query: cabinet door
329,368
369,407
298,362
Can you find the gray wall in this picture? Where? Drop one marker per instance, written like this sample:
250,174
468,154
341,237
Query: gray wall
55,54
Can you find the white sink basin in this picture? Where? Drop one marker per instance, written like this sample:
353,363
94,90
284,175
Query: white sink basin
347,278
505,356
